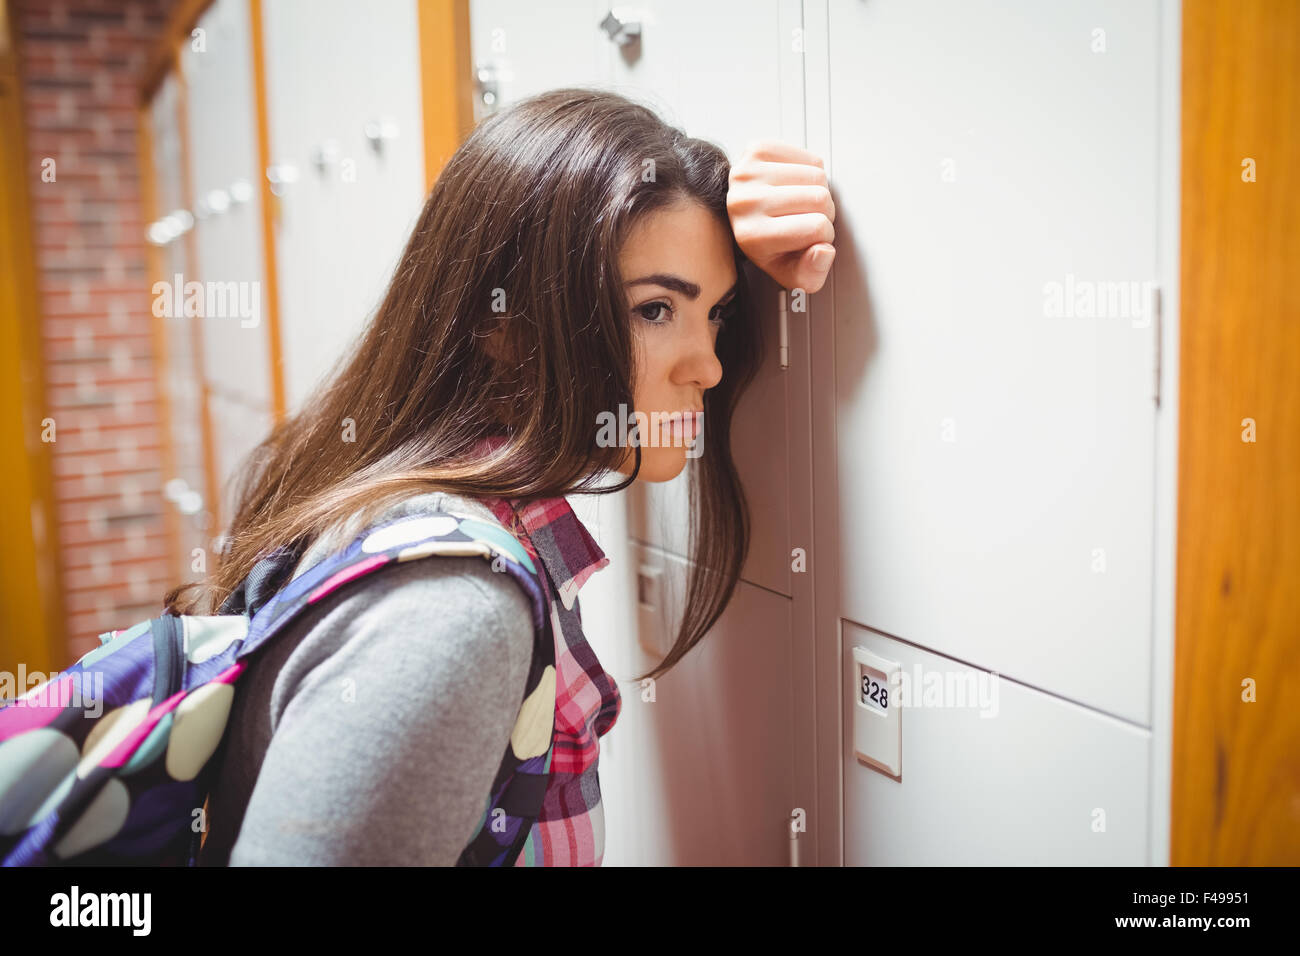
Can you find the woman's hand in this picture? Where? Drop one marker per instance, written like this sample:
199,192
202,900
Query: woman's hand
782,214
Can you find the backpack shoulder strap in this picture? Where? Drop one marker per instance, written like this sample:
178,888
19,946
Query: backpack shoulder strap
409,538
519,785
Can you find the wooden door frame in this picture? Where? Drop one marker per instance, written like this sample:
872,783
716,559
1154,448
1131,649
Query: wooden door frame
31,583
446,81
1236,762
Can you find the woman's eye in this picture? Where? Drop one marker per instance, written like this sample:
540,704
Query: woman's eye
658,313
650,312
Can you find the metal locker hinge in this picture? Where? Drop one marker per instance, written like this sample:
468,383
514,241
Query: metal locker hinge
783,324
1157,317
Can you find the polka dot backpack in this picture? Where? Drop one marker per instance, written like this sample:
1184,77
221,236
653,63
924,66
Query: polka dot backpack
110,762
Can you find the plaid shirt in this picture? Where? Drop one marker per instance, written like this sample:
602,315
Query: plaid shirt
571,828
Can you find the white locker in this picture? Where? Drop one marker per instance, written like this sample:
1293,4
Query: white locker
730,73
701,774
346,138
755,91
221,114
1005,775
237,427
185,485
713,797
227,206
524,48
1000,460
996,460
752,92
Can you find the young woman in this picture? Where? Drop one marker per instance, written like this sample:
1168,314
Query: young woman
577,259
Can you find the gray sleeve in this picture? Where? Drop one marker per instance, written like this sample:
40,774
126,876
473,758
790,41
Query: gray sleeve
390,718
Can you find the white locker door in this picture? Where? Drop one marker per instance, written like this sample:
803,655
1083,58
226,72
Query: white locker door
697,771
521,48
683,809
728,72
754,92
224,170
228,227
331,76
186,485
1001,775
996,458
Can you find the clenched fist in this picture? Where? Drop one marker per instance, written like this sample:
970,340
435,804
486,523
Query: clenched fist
782,214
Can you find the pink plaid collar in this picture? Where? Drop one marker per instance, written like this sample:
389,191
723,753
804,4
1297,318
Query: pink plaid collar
552,533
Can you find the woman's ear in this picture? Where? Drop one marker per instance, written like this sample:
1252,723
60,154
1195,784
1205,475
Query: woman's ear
496,344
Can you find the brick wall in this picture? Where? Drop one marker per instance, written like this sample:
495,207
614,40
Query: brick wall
80,64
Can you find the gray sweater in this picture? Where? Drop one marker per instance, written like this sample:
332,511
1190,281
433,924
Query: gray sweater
370,730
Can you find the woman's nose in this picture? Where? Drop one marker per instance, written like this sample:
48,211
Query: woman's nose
701,365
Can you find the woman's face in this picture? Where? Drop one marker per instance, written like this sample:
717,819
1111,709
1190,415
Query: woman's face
680,280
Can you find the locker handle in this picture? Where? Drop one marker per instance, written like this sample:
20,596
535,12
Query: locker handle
622,33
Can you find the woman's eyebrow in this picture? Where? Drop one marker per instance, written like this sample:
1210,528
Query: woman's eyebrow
678,284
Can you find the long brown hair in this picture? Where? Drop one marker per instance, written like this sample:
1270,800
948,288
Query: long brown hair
521,232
